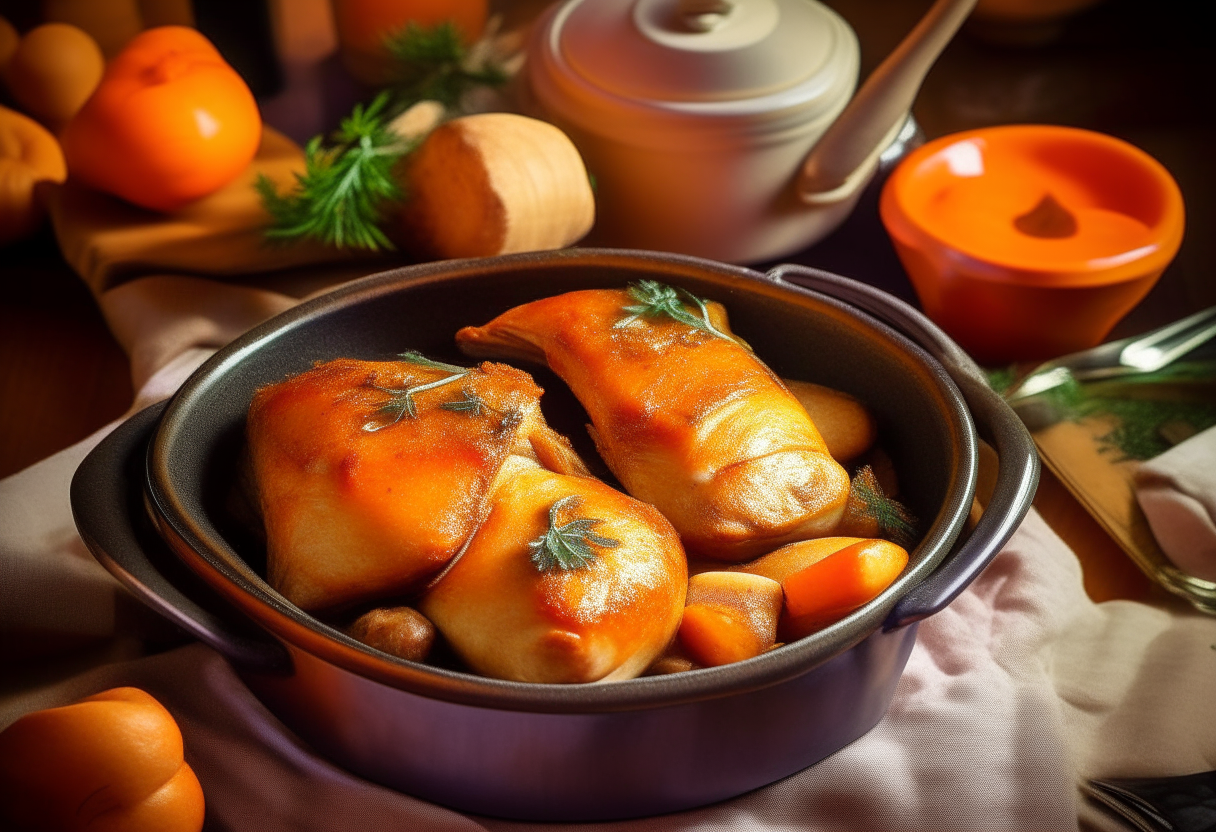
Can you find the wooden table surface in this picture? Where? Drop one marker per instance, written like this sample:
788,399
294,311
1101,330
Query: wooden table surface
1138,71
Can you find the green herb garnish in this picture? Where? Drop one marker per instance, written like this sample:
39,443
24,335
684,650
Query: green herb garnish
656,300
401,399
342,196
471,404
1142,405
349,184
895,522
401,402
415,357
568,546
431,64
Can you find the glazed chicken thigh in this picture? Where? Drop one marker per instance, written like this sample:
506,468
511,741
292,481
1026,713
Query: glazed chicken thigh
359,497
684,414
600,597
423,481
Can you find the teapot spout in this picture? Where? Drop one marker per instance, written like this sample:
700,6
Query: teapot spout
843,160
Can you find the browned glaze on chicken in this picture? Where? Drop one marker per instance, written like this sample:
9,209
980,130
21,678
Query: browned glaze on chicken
361,499
686,417
529,618
375,477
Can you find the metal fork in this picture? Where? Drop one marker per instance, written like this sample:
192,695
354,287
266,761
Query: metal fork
1141,354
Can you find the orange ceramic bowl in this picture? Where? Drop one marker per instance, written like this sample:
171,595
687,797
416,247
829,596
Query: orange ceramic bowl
1029,241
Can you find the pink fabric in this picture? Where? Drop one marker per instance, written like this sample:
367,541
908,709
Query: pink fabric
1177,492
1018,689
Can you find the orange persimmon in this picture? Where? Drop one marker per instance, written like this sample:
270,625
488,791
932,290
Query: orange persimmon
9,38
53,71
112,762
29,154
834,586
169,123
364,26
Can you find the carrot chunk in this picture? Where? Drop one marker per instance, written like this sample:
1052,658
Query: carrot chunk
730,616
831,588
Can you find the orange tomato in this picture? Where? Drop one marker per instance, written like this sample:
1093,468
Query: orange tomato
170,122
29,154
108,763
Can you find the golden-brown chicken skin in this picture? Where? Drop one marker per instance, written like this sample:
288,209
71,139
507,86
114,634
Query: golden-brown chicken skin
371,476
513,609
686,417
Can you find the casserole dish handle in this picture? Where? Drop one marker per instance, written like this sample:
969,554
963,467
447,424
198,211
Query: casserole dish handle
107,497
1018,473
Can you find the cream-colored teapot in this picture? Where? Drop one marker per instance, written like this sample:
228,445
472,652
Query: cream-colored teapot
723,128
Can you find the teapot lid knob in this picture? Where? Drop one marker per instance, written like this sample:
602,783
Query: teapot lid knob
704,15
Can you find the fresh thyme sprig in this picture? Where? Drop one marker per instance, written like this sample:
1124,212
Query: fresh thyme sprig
349,184
432,64
415,357
401,399
342,196
1143,405
568,546
401,402
471,404
895,522
656,299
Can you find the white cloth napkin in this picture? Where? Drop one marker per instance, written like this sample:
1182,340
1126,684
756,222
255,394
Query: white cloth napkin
1177,492
1018,689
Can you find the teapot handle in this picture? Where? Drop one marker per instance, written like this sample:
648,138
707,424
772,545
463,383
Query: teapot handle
842,161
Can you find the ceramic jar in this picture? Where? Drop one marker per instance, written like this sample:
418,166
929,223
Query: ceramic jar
694,118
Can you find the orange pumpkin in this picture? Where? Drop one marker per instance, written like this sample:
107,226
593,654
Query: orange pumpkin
169,123
29,154
108,763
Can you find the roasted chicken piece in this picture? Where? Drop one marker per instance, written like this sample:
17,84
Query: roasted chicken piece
684,414
371,476
568,580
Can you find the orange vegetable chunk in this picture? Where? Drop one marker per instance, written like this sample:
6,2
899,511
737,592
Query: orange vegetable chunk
834,586
29,154
794,557
112,762
731,616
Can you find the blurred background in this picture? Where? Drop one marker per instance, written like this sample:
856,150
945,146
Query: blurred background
1141,72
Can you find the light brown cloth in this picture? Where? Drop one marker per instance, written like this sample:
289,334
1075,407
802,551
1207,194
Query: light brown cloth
1018,689
1177,492
108,241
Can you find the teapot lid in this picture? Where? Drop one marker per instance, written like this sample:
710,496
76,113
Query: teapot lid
699,50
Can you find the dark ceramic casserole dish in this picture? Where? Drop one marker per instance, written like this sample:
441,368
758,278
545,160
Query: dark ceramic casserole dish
553,752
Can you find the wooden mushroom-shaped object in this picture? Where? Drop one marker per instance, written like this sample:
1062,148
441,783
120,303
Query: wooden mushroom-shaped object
494,183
